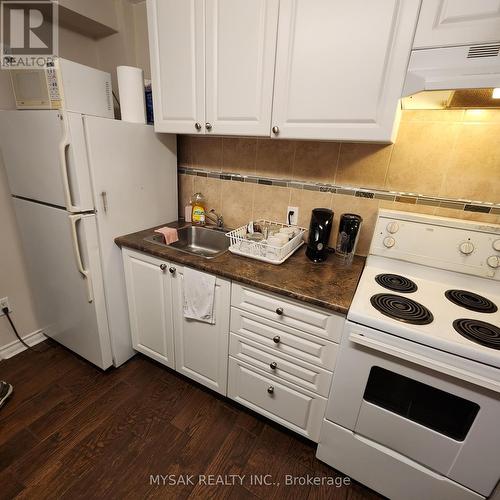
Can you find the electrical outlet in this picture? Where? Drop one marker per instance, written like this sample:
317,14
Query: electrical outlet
4,303
292,218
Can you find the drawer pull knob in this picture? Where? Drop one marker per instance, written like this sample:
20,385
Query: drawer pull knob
270,389
163,267
276,339
273,365
172,270
279,311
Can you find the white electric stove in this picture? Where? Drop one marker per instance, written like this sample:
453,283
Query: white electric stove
414,409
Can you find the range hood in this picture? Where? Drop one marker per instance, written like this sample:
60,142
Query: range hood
451,68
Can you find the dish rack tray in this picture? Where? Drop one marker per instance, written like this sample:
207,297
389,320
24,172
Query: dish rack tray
257,250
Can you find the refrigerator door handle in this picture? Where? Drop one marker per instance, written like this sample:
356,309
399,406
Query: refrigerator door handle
78,257
63,147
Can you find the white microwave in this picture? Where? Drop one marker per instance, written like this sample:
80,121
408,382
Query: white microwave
67,86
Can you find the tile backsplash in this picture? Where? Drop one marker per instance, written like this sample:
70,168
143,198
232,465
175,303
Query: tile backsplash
441,162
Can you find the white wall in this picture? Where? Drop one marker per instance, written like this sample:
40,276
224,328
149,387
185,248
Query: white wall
104,54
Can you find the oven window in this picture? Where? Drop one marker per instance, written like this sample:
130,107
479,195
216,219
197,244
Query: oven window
438,410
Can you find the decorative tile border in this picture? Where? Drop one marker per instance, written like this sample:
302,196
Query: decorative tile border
378,194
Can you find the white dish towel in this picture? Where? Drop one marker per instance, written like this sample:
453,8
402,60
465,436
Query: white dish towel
199,296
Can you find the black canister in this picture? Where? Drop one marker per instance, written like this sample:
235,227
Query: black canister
347,240
319,234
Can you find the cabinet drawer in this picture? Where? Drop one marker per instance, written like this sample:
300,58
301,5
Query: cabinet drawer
294,407
300,345
283,367
293,313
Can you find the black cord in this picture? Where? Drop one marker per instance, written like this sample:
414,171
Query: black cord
5,310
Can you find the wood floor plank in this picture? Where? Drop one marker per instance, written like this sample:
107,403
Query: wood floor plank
72,430
230,461
124,420
38,467
266,460
15,448
10,487
39,374
26,413
133,452
84,388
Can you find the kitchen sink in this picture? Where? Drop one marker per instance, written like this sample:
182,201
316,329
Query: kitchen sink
207,242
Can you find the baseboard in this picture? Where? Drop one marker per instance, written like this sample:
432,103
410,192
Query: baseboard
9,350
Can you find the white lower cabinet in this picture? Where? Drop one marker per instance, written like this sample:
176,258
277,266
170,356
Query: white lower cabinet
150,306
294,407
282,357
272,354
159,329
201,349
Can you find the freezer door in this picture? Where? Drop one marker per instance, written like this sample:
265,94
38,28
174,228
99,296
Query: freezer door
134,175
62,256
45,158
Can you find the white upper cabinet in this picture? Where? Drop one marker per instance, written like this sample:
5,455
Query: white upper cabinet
240,55
177,50
212,65
340,68
457,22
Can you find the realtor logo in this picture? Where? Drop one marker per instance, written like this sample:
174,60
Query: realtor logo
29,34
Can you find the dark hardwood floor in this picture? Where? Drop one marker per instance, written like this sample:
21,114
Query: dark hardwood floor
72,431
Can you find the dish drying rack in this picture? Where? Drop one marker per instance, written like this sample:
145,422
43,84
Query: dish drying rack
258,250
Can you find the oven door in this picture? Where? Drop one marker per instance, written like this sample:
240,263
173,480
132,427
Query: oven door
435,408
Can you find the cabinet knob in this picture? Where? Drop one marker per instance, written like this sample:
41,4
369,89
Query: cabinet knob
208,126
276,130
270,389
279,311
197,126
172,270
276,339
163,267
273,365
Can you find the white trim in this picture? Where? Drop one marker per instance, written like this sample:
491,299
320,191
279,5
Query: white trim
9,350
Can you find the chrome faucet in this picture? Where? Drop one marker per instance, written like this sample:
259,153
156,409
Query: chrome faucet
215,217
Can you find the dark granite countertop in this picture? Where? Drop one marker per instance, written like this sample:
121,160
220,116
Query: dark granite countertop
329,284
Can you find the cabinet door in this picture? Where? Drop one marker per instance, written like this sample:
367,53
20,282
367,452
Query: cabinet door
201,349
176,43
150,306
240,57
340,68
457,22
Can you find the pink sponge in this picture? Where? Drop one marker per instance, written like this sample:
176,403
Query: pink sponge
169,233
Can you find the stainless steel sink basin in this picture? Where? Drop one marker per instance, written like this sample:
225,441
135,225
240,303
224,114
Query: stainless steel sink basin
206,242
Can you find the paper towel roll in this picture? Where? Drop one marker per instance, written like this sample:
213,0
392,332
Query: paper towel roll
131,89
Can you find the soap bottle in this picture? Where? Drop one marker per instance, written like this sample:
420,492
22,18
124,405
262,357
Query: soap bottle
198,213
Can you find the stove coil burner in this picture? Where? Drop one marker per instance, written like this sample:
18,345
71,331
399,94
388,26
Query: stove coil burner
480,332
402,309
396,283
471,301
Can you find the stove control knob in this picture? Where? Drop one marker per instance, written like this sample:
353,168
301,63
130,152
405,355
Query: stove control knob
392,227
496,245
493,261
466,247
389,242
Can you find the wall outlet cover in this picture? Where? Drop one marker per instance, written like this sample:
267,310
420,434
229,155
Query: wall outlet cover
292,215
4,303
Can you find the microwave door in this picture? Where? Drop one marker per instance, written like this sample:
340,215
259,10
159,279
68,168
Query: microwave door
31,90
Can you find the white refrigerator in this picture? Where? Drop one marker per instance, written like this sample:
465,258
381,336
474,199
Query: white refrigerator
77,182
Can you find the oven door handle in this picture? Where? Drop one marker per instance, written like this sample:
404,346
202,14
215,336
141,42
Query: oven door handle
418,359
